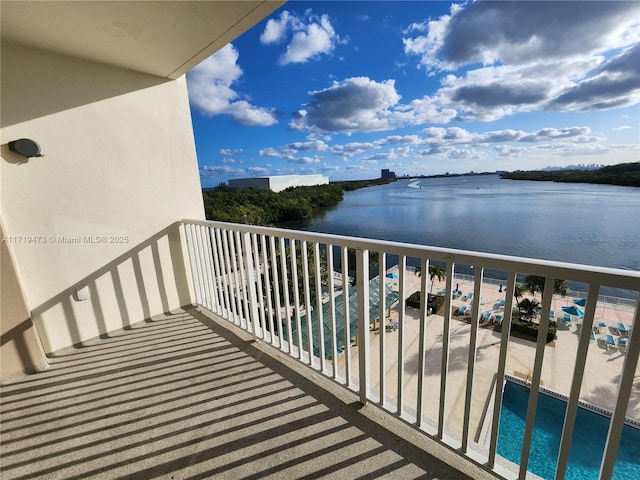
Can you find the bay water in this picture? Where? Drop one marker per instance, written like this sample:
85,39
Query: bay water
576,223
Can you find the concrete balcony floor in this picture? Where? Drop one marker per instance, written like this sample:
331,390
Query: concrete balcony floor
182,396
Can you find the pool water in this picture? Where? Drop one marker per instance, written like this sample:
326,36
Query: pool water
589,438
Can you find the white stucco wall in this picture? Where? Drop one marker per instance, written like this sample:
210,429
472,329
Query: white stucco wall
119,169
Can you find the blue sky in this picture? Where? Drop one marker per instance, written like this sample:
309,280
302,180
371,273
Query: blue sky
347,88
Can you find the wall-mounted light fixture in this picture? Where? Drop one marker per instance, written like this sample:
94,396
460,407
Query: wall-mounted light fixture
25,147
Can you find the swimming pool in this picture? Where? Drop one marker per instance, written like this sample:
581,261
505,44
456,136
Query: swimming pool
589,437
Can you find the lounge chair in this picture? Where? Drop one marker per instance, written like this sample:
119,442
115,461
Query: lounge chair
599,326
622,328
609,341
566,318
593,336
498,318
487,316
622,344
463,309
501,303
552,314
469,296
391,327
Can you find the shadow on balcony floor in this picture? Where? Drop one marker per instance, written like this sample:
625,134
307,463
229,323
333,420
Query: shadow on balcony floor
183,397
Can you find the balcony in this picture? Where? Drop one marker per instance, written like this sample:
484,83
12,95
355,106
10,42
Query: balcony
286,367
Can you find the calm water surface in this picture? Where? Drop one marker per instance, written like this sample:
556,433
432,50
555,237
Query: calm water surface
576,223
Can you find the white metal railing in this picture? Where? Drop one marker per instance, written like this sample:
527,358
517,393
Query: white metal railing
280,285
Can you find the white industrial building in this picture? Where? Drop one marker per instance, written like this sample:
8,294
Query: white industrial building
279,183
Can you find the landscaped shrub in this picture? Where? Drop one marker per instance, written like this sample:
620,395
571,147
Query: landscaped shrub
530,330
434,302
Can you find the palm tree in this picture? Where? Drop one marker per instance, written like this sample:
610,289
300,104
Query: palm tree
535,284
528,308
435,271
519,292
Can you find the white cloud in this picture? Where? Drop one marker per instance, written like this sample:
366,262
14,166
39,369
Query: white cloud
316,145
227,160
379,156
587,58
258,170
507,151
272,152
400,140
436,136
316,39
355,104
211,93
329,168
522,32
369,161
312,36
401,152
230,151
304,160
622,127
207,171
614,84
275,30
354,148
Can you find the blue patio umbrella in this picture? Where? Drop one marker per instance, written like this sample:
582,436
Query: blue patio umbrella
582,302
575,311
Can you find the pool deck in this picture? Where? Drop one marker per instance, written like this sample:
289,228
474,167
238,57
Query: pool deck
599,385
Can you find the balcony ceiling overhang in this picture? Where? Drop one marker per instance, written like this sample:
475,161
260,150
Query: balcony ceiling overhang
162,38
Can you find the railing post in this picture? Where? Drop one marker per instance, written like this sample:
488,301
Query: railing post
502,362
318,306
332,313
537,373
446,337
362,267
402,265
576,383
251,284
345,308
622,401
382,269
194,262
471,362
285,289
424,300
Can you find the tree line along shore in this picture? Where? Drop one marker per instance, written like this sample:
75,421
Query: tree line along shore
624,174
257,206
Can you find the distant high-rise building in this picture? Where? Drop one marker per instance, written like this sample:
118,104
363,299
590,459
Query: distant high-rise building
385,174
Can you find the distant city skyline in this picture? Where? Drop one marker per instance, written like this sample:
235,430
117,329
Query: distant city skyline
345,89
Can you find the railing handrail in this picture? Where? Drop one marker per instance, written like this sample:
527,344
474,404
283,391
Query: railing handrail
611,277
